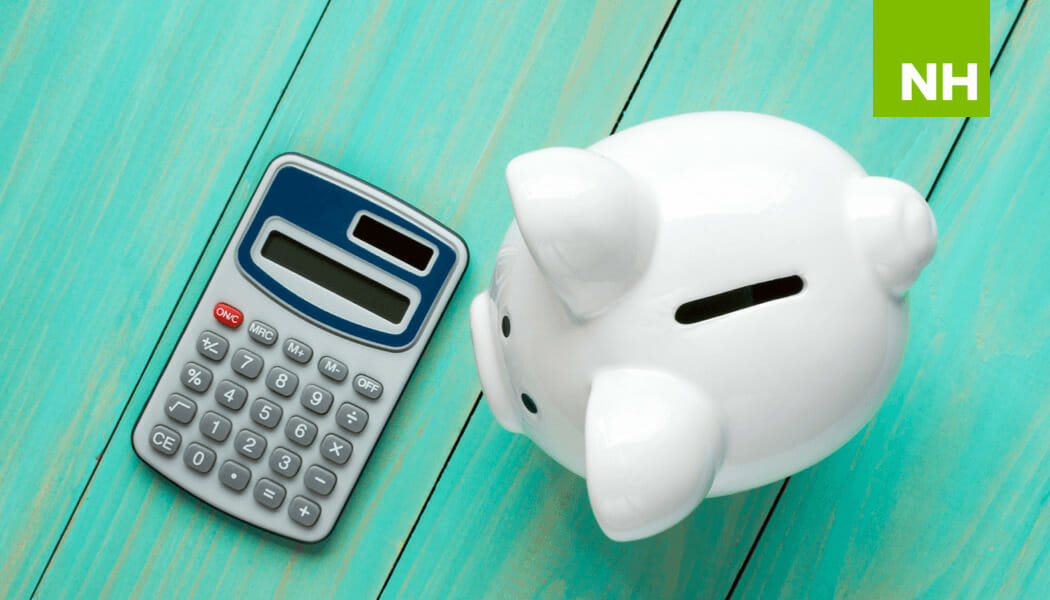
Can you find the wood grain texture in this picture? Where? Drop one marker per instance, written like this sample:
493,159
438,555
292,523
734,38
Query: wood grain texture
504,521
428,101
109,163
946,493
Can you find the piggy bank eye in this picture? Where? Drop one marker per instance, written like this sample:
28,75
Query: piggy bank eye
505,326
530,404
710,307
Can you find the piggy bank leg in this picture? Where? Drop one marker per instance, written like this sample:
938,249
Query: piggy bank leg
654,444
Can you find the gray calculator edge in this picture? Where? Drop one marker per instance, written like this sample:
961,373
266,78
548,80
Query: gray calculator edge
393,368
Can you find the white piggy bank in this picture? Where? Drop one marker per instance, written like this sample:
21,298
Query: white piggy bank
696,306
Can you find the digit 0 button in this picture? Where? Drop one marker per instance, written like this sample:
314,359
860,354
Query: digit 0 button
228,315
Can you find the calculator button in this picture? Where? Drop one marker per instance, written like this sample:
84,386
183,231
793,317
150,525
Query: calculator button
195,377
285,462
212,345
266,413
215,426
317,399
367,387
300,431
320,480
234,475
336,449
228,315
332,368
247,363
180,408
199,458
262,333
304,511
164,440
297,351
250,444
282,381
230,395
351,417
269,493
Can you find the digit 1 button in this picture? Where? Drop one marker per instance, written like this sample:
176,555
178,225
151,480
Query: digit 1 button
320,480
228,315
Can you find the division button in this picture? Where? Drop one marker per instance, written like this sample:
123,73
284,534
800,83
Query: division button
297,351
164,440
320,480
180,408
351,417
212,345
262,333
332,368
234,475
247,363
228,315
304,511
336,449
367,387
195,377
269,493
199,458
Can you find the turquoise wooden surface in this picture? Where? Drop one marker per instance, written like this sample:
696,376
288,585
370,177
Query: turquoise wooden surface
129,126
541,539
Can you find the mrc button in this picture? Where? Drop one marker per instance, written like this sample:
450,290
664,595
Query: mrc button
228,315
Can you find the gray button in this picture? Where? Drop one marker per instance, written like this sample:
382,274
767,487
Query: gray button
269,493
332,368
215,426
180,408
351,417
212,345
320,480
304,511
300,431
247,363
164,440
262,333
282,381
336,449
266,413
285,462
195,377
317,399
234,475
250,444
297,351
230,395
199,458
367,387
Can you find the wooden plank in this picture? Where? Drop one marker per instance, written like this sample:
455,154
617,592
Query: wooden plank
504,521
428,101
120,140
945,493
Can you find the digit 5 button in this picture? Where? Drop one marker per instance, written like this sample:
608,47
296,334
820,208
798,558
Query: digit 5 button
228,315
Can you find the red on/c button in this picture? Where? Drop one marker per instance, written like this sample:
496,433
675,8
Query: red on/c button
228,315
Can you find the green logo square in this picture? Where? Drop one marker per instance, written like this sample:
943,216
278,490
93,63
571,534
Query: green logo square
931,58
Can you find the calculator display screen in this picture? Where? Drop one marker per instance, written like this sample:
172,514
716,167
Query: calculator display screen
335,277
393,242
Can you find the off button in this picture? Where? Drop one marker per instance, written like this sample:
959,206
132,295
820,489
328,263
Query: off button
228,315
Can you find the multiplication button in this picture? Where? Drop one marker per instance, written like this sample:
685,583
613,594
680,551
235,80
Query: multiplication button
304,511
336,449
195,377
212,345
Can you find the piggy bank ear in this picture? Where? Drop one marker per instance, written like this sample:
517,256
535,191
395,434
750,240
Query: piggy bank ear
586,222
895,227
653,446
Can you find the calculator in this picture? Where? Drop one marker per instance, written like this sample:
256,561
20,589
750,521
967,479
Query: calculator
301,343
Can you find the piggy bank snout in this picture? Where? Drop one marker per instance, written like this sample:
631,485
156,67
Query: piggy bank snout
491,367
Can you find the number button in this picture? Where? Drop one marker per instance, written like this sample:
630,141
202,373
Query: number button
297,351
215,426
351,417
336,449
332,368
212,345
300,431
230,395
180,408
266,413
367,387
304,511
282,381
234,475
199,458
262,333
247,363
320,480
250,444
164,440
195,377
317,399
285,462
269,493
